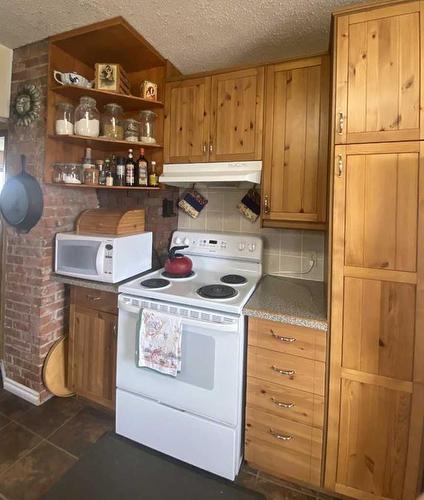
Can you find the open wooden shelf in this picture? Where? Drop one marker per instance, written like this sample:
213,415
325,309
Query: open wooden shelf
103,143
97,186
102,97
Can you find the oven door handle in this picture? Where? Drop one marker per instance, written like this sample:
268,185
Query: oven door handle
222,327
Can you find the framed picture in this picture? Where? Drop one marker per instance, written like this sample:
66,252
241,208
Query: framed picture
111,77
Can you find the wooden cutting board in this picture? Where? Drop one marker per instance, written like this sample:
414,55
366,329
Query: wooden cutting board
55,369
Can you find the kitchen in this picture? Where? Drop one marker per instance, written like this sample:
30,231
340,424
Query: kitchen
265,209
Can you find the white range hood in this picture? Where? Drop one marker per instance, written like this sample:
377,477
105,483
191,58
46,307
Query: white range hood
232,173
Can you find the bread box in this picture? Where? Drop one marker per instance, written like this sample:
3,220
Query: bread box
110,221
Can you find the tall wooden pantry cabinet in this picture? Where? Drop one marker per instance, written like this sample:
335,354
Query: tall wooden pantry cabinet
376,384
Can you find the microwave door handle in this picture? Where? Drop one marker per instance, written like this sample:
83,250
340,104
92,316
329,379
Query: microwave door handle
100,259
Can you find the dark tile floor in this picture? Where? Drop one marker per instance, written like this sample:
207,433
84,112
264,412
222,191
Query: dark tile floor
39,444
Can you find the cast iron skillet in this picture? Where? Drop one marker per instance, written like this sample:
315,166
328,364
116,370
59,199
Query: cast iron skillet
21,200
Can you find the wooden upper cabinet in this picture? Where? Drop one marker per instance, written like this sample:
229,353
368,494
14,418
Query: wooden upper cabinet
378,84
187,121
296,142
237,115
216,118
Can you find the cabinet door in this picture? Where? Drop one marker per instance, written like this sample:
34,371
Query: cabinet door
373,447
296,141
187,121
376,405
378,83
237,116
93,354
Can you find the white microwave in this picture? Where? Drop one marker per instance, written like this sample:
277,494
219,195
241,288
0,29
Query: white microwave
103,258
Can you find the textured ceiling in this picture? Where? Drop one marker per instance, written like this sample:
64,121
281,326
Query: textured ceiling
195,35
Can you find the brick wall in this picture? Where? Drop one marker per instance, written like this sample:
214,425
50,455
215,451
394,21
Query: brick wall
35,304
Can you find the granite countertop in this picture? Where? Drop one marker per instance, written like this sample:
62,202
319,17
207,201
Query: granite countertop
289,300
96,285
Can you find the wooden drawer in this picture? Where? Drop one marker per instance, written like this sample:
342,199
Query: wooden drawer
95,299
283,448
280,401
287,370
290,339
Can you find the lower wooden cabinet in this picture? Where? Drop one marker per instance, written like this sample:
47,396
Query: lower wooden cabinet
285,400
92,345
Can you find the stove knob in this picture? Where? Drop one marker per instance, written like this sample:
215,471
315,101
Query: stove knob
241,246
186,241
178,240
252,247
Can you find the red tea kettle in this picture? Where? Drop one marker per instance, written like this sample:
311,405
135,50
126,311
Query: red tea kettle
177,264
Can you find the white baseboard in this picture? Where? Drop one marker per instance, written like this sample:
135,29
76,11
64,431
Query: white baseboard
21,390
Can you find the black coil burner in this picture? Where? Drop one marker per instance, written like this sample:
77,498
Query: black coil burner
155,283
234,279
217,292
177,276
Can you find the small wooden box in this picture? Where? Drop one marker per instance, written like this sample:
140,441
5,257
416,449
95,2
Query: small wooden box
110,221
111,77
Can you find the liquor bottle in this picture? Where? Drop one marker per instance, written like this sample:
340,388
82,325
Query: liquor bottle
129,169
102,167
113,165
141,170
120,171
153,177
107,174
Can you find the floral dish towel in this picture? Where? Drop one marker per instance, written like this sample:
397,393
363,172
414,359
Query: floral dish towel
159,342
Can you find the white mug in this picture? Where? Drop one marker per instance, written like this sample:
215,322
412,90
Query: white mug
72,79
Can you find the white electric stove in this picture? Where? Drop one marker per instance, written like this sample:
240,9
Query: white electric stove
197,415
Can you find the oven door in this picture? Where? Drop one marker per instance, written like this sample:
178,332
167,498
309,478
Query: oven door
211,377
79,257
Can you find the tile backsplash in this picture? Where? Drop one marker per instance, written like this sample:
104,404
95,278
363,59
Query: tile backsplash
287,252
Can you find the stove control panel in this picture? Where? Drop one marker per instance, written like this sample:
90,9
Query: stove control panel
230,245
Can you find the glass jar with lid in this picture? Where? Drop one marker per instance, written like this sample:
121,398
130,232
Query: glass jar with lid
87,118
73,173
59,170
112,121
148,126
131,130
64,124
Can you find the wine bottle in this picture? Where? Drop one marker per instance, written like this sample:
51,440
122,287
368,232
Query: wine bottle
129,169
141,170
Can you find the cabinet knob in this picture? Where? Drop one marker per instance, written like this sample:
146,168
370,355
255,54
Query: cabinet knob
204,147
210,147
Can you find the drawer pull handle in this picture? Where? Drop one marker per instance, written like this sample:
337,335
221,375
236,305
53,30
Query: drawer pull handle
282,437
282,338
93,298
282,404
289,373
